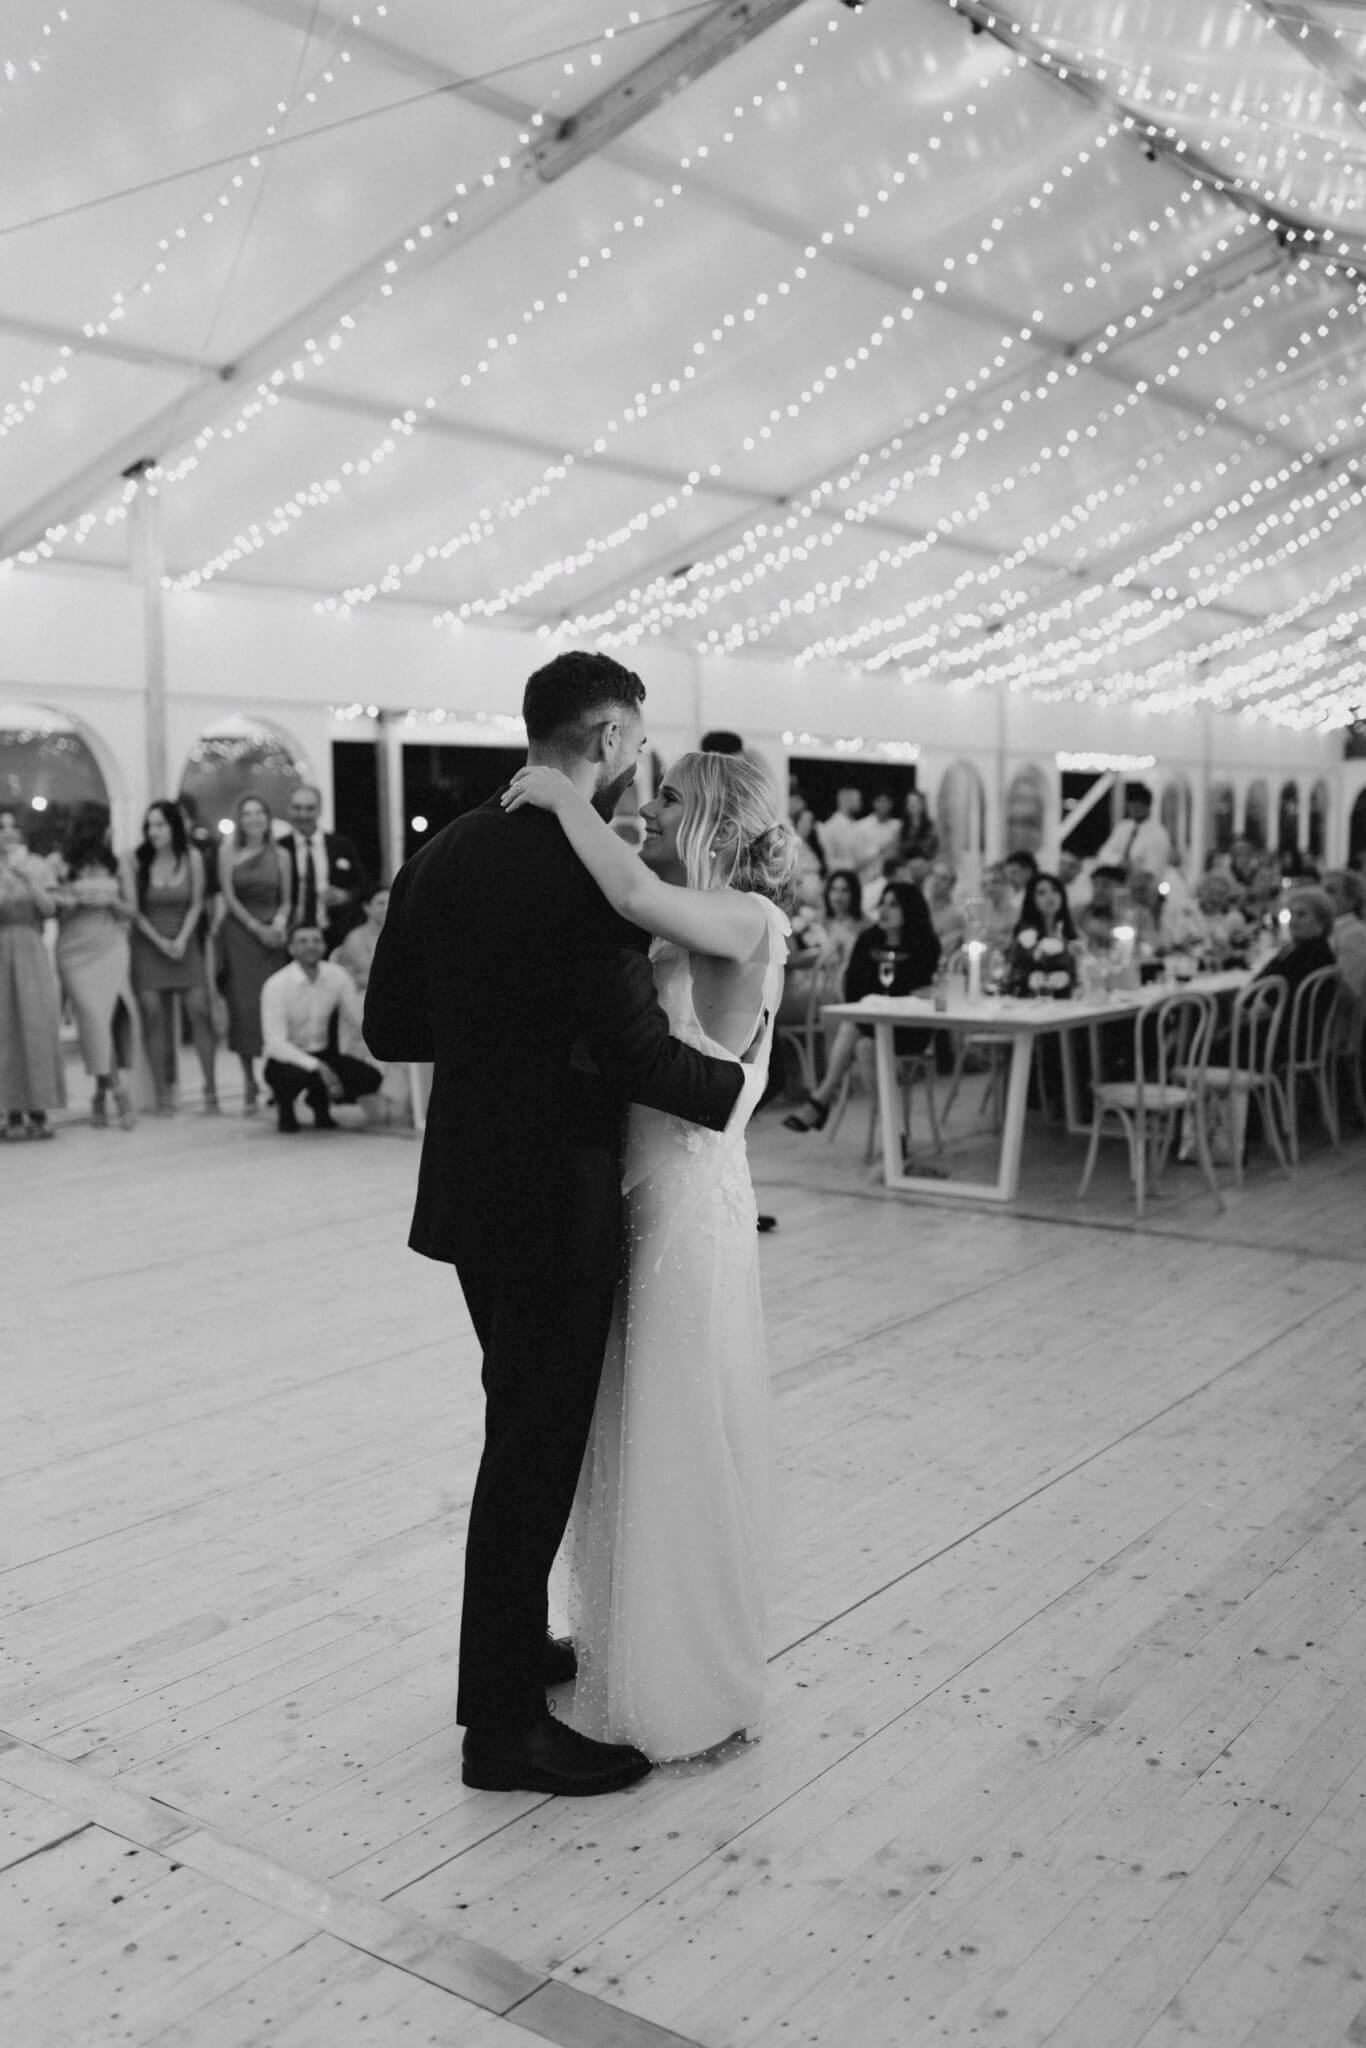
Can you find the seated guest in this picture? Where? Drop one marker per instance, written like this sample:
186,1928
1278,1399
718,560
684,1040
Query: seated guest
895,957
1043,950
1097,922
945,915
1075,881
1145,911
1225,932
1308,945
303,1007
1347,894
1021,868
998,909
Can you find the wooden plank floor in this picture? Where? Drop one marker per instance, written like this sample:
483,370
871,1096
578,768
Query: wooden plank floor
1065,1741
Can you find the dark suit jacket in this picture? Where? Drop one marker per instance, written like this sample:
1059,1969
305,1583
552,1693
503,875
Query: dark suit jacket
502,962
344,871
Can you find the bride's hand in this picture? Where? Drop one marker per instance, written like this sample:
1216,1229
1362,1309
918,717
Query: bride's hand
546,788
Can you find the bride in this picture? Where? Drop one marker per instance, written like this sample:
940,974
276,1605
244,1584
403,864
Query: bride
666,1550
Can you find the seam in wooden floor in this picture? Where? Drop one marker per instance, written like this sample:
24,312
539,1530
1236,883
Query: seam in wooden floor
541,2006
1173,1228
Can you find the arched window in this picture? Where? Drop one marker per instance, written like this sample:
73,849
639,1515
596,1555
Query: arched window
1356,830
1222,817
236,755
1026,810
1288,819
962,812
1175,813
1255,808
1318,821
46,770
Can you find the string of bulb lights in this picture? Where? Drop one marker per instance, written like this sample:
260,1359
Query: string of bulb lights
319,492
894,558
1013,420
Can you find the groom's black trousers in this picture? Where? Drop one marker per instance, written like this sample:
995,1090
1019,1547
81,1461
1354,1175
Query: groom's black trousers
540,1300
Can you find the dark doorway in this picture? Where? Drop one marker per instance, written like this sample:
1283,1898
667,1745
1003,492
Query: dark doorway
440,783
1095,828
355,800
820,780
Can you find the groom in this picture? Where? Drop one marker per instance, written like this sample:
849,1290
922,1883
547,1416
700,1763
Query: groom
500,961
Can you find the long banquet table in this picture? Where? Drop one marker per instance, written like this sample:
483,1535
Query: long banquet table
1020,1019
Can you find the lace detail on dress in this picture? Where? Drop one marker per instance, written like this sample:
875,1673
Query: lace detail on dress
667,1550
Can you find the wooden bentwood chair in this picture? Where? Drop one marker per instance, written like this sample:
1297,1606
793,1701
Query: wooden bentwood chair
1311,1054
1171,1041
1251,1074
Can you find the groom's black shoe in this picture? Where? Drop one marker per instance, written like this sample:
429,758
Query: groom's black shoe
548,1757
560,1663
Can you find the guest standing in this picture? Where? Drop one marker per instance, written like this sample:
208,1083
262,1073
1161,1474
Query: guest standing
254,877
31,1081
93,959
326,880
168,959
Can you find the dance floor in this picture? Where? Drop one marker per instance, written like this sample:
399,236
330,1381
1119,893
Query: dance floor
1065,1741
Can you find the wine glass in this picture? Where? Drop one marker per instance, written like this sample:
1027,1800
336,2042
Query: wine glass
886,971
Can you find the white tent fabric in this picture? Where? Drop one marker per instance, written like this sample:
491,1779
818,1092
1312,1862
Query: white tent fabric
957,347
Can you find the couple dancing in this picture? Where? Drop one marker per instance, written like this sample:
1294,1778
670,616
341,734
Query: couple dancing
613,1289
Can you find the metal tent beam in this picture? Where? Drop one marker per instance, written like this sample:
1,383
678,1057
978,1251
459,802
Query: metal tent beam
708,42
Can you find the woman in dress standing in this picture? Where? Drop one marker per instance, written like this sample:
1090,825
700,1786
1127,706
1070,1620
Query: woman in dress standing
93,959
168,960
31,1081
253,930
668,1541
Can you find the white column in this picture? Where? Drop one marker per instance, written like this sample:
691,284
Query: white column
390,791
146,567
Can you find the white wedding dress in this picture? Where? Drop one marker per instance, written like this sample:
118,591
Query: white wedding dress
666,1553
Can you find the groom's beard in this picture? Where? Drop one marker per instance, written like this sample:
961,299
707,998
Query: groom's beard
606,798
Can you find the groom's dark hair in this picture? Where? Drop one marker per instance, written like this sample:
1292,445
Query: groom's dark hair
560,698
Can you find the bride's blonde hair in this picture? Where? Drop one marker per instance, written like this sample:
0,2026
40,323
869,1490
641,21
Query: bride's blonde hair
732,835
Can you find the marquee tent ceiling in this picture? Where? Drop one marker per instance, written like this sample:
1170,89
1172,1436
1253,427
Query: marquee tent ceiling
916,336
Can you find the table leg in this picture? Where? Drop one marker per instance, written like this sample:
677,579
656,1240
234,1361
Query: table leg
1017,1101
888,1101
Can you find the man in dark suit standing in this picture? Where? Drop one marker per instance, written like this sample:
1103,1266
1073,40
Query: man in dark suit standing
327,882
500,961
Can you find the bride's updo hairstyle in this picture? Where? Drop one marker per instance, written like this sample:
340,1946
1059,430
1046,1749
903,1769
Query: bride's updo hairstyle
732,835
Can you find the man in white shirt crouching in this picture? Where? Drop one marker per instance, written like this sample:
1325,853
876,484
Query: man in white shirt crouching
301,1008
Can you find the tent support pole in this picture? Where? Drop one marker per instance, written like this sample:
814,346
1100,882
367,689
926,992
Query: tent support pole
147,564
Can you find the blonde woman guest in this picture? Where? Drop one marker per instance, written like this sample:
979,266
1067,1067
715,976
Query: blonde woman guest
357,950
168,960
668,1540
31,1080
93,960
254,880
946,917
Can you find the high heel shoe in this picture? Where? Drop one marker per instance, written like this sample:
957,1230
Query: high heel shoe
127,1114
816,1120
99,1115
